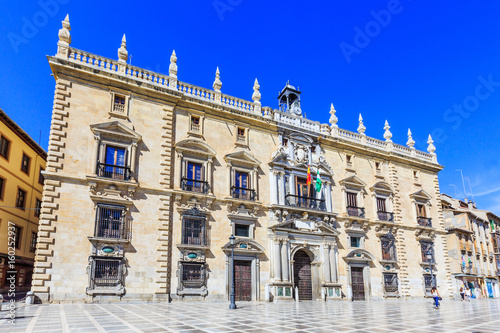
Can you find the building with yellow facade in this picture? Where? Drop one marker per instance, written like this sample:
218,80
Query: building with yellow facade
22,161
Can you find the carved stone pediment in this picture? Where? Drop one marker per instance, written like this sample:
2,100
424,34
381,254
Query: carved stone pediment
421,195
244,246
195,146
356,225
116,129
359,255
425,233
185,201
242,158
110,194
382,229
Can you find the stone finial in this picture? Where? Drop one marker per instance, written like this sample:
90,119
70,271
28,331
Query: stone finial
333,118
387,133
361,127
410,143
431,148
64,39
217,83
172,69
122,51
256,93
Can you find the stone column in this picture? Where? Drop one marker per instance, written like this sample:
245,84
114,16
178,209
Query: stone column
326,262
277,261
281,186
178,170
133,152
333,263
328,196
208,175
95,154
274,186
284,260
255,172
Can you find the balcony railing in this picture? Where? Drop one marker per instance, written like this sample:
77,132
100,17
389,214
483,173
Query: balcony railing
113,171
242,193
195,128
356,211
385,216
305,202
468,269
241,138
194,185
118,107
111,223
424,221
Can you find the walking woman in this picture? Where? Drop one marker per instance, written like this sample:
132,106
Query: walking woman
462,293
435,295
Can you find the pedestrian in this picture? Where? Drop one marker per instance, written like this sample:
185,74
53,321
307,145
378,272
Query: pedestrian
462,294
467,294
435,295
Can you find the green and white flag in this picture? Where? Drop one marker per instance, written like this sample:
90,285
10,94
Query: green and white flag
318,182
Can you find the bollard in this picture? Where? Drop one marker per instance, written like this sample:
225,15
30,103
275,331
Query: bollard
296,294
30,298
1,302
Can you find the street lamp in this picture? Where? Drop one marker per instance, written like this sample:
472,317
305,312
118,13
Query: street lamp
232,295
430,257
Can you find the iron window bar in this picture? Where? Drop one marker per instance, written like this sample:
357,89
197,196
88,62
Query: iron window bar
193,275
193,231
355,211
113,171
194,185
106,273
424,221
391,283
242,193
111,222
305,202
385,216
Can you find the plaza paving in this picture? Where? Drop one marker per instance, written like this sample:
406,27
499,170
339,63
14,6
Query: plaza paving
376,316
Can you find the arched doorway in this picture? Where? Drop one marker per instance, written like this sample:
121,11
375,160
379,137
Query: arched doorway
302,275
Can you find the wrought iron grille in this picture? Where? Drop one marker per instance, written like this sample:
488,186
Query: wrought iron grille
193,231
385,216
111,222
113,171
388,249
356,211
193,275
390,282
194,185
106,273
305,202
424,221
242,193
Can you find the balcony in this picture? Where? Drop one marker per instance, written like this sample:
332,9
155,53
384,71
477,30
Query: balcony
118,107
424,221
195,128
194,185
111,223
385,216
468,269
305,202
113,171
356,211
242,193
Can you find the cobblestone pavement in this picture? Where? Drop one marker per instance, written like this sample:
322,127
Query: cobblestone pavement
376,316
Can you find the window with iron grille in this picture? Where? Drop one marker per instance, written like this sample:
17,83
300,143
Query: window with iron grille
390,282
428,283
25,164
119,104
111,222
4,147
33,240
38,208
388,249
426,248
20,199
193,231
193,275
106,273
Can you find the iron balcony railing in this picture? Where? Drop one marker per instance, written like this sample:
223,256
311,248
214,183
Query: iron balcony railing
113,171
111,223
194,185
242,193
424,221
356,211
305,202
385,216
468,269
106,273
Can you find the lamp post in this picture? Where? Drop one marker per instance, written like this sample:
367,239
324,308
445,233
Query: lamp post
232,295
430,257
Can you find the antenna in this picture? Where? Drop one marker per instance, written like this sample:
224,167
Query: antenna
457,191
470,187
40,137
130,59
463,183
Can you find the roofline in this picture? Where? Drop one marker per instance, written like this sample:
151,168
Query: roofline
22,134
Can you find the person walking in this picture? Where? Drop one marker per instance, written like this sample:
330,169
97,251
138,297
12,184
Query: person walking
435,295
462,293
467,294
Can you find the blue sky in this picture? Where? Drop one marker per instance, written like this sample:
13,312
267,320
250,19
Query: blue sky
430,66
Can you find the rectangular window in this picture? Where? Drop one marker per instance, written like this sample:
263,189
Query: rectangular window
302,189
115,164
195,124
355,241
41,178
241,135
427,254
381,205
33,240
111,222
352,199
390,282
242,230
38,208
4,147
119,104
193,275
2,185
194,171
20,199
106,273
285,142
428,283
193,231
193,179
17,236
421,210
25,164
388,249
241,188
115,156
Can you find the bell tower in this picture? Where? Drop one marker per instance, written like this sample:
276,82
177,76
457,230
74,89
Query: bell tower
289,100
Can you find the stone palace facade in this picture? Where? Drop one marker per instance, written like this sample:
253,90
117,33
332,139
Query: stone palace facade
147,178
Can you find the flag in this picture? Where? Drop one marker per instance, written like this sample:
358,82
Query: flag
308,176
318,182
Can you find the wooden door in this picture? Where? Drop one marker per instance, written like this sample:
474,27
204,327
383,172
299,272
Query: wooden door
302,275
243,280
358,284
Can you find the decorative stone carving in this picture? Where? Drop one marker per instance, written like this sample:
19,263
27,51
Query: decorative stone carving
431,148
333,117
217,83
361,127
256,93
122,51
64,33
301,154
410,143
387,133
172,69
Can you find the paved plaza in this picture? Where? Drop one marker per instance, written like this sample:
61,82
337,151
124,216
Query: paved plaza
376,316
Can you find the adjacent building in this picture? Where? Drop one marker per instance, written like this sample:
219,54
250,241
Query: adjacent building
148,177
22,161
472,247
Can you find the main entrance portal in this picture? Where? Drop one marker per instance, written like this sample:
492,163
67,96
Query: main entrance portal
302,275
358,284
243,280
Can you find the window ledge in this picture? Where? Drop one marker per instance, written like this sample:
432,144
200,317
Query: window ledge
104,180
108,240
203,291
118,291
122,115
193,247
